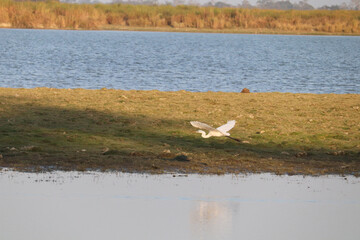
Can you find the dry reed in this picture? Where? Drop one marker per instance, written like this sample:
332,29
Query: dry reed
56,15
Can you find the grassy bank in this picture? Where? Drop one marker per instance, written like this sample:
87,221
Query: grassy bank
56,15
150,131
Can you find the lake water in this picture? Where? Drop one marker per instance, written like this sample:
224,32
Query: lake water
176,61
93,205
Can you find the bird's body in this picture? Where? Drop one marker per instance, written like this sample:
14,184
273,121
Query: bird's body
214,132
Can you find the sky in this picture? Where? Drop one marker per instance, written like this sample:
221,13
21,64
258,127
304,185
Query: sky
314,3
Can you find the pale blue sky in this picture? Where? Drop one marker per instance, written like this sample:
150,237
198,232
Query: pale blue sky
315,3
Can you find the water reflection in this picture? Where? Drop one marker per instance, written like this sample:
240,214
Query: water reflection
212,220
73,205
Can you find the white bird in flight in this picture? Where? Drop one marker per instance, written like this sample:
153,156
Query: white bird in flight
216,132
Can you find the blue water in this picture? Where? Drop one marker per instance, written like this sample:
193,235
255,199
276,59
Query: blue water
179,61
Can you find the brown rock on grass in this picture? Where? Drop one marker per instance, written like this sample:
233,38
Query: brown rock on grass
245,90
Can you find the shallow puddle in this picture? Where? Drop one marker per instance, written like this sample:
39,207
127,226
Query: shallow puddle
93,205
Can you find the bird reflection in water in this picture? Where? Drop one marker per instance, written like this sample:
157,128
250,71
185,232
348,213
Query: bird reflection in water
211,220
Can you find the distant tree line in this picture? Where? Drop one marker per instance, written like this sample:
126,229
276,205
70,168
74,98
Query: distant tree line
261,4
57,15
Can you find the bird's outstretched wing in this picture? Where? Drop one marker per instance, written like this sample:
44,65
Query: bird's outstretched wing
201,125
226,127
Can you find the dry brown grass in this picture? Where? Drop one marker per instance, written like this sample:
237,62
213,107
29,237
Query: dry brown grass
149,130
56,15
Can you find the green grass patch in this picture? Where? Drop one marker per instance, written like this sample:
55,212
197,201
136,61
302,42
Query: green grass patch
147,130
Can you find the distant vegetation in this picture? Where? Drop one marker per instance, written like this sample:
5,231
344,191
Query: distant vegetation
57,15
262,4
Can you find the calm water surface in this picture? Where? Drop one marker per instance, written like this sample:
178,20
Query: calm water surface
73,205
175,61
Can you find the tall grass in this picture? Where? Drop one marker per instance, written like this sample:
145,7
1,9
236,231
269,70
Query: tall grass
104,16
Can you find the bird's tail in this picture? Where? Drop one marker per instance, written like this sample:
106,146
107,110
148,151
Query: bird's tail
235,139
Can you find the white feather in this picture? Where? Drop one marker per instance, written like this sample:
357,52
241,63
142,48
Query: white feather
226,127
216,132
201,125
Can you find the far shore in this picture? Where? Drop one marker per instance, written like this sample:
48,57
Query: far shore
167,18
44,129
263,31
